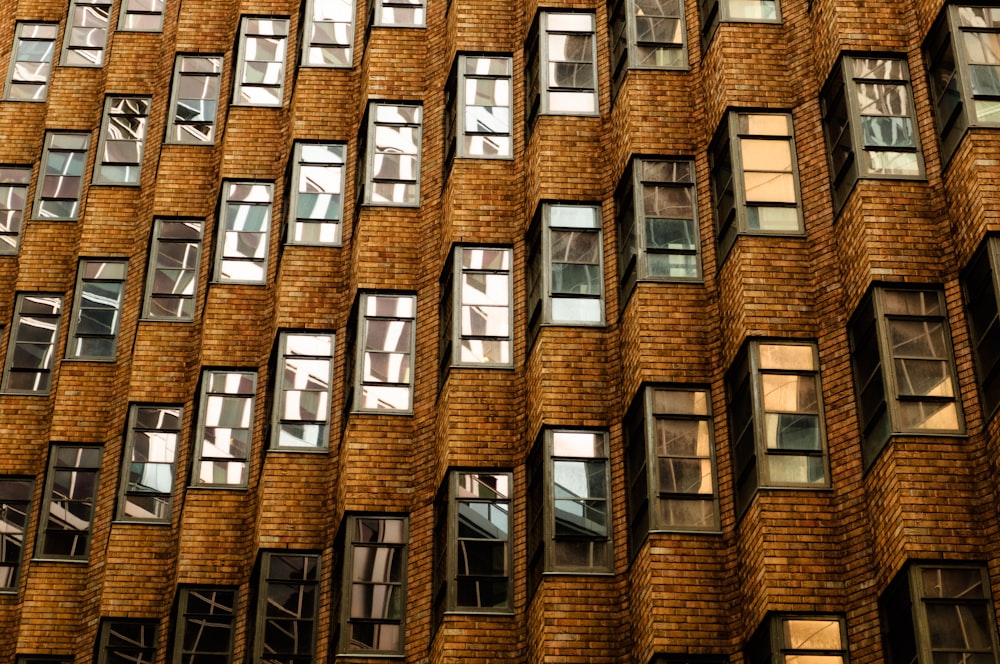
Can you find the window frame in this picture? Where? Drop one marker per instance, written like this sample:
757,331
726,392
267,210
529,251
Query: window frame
624,38
157,242
70,51
337,150
367,147
456,130
15,181
83,139
266,577
712,13
357,350
20,37
184,593
308,43
126,12
11,565
146,648
134,428
53,466
768,644
56,304
240,84
377,16
198,457
537,60
281,389
175,128
226,216
76,339
981,295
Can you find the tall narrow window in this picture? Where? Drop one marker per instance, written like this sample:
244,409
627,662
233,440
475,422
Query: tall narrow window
225,428
658,234
147,484
982,300
288,602
86,33
904,370
383,355
397,13
60,176
316,203
244,233
799,638
31,350
301,416
15,499
392,166
172,277
31,61
478,108
869,123
14,182
712,12
328,40
131,641
477,285
141,15
194,99
205,624
68,511
374,585
647,34
97,310
562,65
260,68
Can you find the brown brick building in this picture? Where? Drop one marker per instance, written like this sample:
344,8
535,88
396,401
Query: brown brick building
646,332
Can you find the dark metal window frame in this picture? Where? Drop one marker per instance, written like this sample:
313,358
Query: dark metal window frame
82,146
13,503
45,371
204,393
188,619
143,650
14,184
53,467
173,115
981,291
282,386
455,129
714,12
267,577
298,161
356,352
158,242
125,490
76,317
768,644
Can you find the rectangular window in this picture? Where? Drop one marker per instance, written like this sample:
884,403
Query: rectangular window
982,301
316,202
14,182
172,277
374,585
478,100
562,65
383,355
260,67
755,181
205,622
141,16
480,333
97,310
244,232
225,429
60,176
31,349
288,602
127,641
670,463
86,33
15,501
397,13
869,123
712,12
939,614
147,483
194,99
68,510
657,220
569,505
301,417
904,371
328,40
647,34
776,418
799,638
391,133
31,61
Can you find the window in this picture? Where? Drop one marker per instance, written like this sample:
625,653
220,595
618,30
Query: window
383,357
963,61
70,492
397,13
478,108
147,484
172,277
301,417
712,12
561,55
32,346
755,187
328,40
244,233
127,642
657,220
86,33
776,418
13,199
225,429
869,123
569,505
141,15
904,369
390,145
287,607
316,203
979,284
97,310
473,544
31,61
194,99
670,463
374,583
799,638
15,500
939,614
260,69
646,34
565,267
205,621
64,159
481,332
